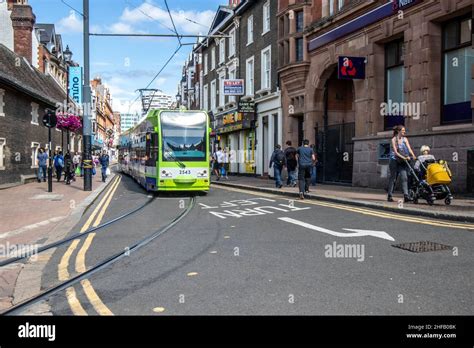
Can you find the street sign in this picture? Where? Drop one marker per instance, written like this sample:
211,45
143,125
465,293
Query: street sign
49,119
246,106
351,68
75,83
234,87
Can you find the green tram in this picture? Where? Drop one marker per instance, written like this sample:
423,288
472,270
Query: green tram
168,151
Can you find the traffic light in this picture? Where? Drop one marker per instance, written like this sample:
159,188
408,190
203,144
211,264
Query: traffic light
49,119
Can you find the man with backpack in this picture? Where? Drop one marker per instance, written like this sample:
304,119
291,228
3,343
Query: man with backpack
291,164
278,161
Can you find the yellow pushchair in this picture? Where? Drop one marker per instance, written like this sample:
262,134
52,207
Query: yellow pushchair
430,182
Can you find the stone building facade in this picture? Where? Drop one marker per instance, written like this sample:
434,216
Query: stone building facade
418,55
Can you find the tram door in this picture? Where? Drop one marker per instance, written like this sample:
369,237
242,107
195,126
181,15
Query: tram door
151,150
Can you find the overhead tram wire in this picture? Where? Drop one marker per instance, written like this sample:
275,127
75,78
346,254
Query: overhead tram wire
147,15
172,21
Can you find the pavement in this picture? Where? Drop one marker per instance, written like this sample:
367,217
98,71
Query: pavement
30,218
461,209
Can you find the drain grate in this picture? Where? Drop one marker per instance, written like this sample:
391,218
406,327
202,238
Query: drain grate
421,247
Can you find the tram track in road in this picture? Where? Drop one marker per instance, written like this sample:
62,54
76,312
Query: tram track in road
82,277
84,231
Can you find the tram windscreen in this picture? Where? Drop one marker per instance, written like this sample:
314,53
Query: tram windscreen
183,136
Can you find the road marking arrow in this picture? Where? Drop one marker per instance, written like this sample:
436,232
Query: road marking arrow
356,233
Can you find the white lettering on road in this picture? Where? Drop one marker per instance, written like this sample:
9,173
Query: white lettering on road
356,233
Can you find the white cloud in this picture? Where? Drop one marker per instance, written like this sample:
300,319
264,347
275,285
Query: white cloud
125,106
70,24
149,12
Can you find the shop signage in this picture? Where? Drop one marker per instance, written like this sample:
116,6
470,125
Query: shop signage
234,87
232,118
75,83
351,68
246,106
399,5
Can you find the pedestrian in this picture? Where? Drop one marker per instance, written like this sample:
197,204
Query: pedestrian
42,158
291,164
399,154
58,161
225,166
104,162
76,160
95,163
215,165
306,159
278,161
68,172
314,168
220,162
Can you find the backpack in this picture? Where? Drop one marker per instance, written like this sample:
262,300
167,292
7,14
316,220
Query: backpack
280,158
291,154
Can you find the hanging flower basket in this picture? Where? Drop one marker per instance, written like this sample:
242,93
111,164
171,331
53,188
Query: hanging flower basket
69,122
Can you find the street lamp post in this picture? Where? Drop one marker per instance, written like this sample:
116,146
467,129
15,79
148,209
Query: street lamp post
87,122
68,58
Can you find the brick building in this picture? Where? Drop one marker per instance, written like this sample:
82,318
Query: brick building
418,56
249,52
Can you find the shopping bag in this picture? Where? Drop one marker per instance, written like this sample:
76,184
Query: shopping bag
107,171
78,171
93,171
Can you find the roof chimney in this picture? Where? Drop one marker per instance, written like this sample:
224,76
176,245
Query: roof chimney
234,3
23,20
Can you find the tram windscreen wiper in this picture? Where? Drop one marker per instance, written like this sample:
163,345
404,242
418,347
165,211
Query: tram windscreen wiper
170,155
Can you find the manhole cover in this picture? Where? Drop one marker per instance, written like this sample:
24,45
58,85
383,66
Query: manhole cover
421,247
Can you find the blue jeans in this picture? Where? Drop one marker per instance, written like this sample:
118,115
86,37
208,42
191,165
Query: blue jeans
277,171
42,172
291,177
104,173
313,176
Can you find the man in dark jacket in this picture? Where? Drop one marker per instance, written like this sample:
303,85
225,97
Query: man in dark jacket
104,162
278,161
68,168
306,159
291,164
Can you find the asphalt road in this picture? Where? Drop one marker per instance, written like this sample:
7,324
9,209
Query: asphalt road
247,253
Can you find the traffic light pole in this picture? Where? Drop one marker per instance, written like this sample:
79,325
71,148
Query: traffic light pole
86,92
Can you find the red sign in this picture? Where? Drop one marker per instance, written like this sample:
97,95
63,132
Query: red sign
351,68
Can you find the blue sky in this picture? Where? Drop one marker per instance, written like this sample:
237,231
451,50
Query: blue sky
127,64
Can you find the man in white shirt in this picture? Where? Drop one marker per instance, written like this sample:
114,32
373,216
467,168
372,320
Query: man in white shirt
220,157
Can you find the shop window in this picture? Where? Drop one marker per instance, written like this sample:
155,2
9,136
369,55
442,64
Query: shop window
458,58
394,82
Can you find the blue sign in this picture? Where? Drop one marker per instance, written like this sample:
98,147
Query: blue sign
399,5
351,68
75,83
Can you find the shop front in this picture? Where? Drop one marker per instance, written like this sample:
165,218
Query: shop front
236,134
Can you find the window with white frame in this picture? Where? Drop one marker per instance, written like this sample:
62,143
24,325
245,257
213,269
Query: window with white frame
3,142
205,64
221,51
34,113
221,89
340,4
249,30
250,78
232,77
2,103
213,95
232,43
34,154
266,67
205,97
213,58
266,17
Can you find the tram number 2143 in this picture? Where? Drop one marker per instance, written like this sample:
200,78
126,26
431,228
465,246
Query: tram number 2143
184,172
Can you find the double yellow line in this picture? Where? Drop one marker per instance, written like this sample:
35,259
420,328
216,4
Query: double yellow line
364,211
94,219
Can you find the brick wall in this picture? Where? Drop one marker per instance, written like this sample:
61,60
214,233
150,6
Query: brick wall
19,132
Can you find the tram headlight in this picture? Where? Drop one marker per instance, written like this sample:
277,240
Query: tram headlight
202,174
166,174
